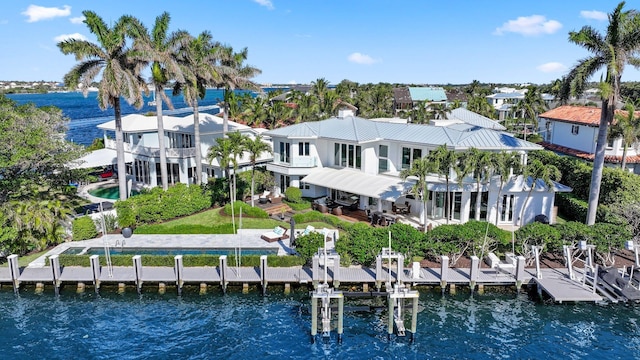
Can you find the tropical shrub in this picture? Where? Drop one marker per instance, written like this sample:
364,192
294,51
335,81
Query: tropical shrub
83,228
308,245
363,243
293,194
247,210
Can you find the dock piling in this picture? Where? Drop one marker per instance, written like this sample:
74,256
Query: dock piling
54,262
223,273
137,267
263,273
474,271
14,271
179,271
95,271
444,271
520,274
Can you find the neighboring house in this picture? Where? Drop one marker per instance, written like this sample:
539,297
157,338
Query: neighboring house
406,98
573,130
504,102
348,157
142,154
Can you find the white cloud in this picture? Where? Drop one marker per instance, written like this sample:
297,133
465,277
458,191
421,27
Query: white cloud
77,20
37,13
358,58
64,37
551,67
594,15
266,3
529,25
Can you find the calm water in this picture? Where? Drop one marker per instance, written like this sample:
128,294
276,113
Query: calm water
85,115
237,326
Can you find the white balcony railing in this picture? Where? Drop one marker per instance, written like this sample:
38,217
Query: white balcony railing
297,161
152,152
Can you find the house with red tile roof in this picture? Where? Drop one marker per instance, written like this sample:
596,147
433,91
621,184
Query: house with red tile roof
573,130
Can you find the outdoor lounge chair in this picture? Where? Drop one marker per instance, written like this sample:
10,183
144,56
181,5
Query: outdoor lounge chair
277,234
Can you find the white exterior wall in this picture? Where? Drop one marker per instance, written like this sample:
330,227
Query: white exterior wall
583,141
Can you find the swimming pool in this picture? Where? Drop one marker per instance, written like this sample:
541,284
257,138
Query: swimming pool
169,251
109,192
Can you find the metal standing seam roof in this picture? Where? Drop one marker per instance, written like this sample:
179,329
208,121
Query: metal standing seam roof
473,118
359,130
427,93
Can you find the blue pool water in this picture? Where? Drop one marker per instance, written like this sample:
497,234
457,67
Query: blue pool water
169,251
249,326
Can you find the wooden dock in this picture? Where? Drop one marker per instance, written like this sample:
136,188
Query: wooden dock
554,282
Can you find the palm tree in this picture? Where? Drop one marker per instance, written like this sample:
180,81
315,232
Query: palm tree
445,160
234,74
537,171
112,58
162,49
420,168
223,151
237,150
255,147
479,104
627,127
477,163
530,106
439,111
611,51
504,165
198,60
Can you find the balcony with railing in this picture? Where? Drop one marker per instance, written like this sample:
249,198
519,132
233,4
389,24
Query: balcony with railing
151,151
297,161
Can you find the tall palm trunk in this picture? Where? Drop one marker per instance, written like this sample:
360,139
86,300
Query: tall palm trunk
478,204
425,199
624,156
253,182
447,201
606,117
196,135
161,146
122,170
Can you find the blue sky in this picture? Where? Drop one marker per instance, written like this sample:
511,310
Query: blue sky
291,41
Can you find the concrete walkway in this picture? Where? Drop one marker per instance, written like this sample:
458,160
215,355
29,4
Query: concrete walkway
246,238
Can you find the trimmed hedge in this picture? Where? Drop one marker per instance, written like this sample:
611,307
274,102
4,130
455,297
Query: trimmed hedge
316,216
83,228
158,205
293,194
185,229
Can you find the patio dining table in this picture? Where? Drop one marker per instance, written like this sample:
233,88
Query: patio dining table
401,208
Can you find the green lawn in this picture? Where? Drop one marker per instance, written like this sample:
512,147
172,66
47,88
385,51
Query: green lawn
213,217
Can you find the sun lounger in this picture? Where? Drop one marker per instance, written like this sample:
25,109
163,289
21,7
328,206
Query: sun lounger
277,234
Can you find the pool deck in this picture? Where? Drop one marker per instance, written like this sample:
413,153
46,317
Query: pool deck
246,238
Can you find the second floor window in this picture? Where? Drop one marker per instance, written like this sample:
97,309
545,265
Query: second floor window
383,161
284,151
303,149
575,129
408,155
347,155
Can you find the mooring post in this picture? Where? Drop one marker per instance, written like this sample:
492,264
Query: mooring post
569,259
520,262
314,317
263,272
14,271
415,270
336,271
414,318
315,271
54,262
391,314
223,273
178,266
400,269
379,272
137,267
94,260
340,318
444,271
473,272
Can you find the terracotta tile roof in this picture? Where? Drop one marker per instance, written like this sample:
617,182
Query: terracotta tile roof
588,156
584,115
575,114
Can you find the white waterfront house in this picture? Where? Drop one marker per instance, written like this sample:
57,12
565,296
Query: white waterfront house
142,155
348,158
573,130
